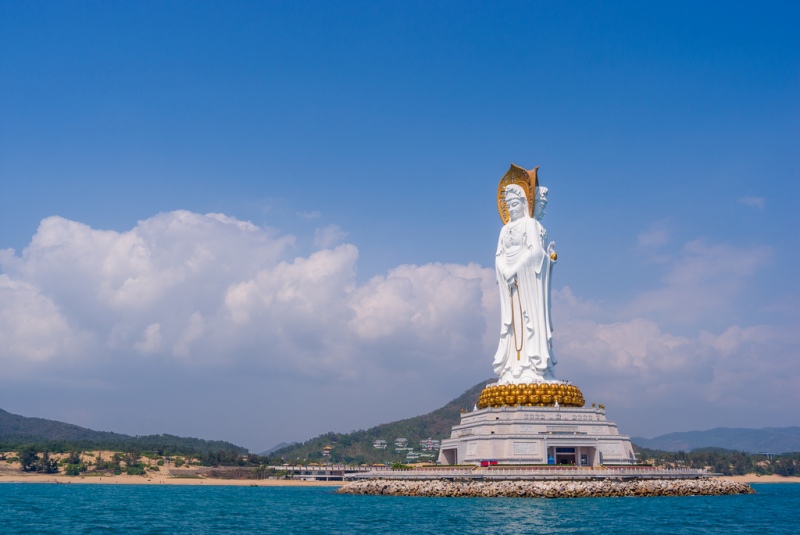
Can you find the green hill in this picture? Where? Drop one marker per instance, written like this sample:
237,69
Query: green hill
16,431
357,447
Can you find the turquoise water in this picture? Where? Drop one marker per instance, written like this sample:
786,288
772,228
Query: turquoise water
97,509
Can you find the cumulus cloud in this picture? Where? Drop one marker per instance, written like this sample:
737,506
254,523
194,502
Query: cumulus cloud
328,236
32,328
210,290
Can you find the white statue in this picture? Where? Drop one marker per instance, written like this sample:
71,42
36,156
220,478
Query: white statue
524,263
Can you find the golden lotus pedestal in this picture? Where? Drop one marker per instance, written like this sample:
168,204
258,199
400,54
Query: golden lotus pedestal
535,424
531,395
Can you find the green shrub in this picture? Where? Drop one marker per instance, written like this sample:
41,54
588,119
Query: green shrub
135,471
72,470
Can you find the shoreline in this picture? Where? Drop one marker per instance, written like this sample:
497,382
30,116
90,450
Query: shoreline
54,479
24,478
754,478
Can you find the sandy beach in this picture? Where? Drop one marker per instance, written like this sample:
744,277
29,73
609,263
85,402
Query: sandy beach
10,472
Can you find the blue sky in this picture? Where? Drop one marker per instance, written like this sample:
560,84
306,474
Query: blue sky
351,153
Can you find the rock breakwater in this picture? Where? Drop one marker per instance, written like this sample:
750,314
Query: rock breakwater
549,489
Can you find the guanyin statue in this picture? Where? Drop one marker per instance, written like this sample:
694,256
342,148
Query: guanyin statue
524,263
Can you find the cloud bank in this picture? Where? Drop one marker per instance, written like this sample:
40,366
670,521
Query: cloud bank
208,290
211,296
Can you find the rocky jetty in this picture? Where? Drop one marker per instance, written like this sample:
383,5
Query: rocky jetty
549,489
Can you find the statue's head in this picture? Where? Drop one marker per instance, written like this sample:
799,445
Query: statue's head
541,202
516,201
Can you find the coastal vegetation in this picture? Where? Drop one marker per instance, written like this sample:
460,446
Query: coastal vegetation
727,462
230,465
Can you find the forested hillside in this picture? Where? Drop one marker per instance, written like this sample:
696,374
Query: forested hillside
50,435
357,447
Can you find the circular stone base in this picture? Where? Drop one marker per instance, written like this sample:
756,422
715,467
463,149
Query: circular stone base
531,395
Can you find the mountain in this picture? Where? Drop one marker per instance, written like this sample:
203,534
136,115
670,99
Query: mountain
358,445
276,448
768,439
18,430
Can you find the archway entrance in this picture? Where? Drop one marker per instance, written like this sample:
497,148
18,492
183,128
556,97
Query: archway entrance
449,456
566,456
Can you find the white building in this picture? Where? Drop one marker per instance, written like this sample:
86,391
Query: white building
537,435
429,444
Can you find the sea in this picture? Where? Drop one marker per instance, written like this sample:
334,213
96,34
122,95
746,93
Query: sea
164,509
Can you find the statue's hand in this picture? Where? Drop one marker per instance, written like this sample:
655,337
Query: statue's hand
551,250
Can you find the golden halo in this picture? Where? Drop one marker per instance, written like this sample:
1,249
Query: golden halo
527,180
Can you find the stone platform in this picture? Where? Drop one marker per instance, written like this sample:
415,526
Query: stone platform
527,435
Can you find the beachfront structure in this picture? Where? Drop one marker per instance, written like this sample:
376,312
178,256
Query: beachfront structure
429,444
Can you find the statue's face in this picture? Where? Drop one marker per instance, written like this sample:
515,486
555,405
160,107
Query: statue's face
538,209
516,209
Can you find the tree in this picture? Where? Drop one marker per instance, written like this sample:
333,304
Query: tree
28,458
48,465
74,457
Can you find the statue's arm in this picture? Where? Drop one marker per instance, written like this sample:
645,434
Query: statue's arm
508,271
535,247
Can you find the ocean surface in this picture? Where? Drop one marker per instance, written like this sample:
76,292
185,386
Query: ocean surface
97,509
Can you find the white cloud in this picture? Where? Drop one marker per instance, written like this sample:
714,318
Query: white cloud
328,236
209,290
150,341
436,311
658,234
753,202
703,279
309,215
32,328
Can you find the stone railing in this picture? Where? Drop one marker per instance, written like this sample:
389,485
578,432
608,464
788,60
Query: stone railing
533,473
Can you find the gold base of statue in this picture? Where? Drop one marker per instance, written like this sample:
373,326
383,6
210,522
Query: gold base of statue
531,395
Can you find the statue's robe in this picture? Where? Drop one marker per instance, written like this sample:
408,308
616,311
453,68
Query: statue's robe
521,251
